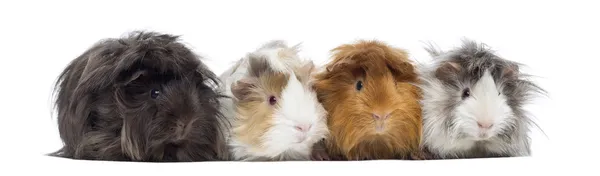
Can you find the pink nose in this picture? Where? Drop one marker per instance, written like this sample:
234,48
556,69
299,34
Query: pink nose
484,125
303,128
381,116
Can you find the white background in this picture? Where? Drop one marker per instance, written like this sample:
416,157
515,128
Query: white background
558,41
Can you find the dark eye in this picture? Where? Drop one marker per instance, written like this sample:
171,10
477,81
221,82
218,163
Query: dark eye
466,93
359,85
154,93
272,100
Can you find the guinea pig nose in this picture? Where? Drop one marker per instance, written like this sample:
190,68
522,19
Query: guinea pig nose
303,128
484,125
381,116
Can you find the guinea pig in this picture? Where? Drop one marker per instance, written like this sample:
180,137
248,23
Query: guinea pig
473,104
369,92
144,97
273,110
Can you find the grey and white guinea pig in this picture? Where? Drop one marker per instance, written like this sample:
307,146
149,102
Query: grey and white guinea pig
273,110
473,104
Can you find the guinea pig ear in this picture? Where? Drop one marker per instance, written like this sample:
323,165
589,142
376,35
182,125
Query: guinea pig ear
511,71
128,78
403,71
447,70
339,64
242,88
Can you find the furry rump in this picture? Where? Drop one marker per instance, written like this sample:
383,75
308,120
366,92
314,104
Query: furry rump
141,97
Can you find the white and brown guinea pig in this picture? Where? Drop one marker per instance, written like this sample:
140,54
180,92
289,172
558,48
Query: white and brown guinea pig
473,104
273,111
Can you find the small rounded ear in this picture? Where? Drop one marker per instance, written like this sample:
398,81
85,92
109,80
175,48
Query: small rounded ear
402,71
339,64
126,79
447,70
510,71
243,88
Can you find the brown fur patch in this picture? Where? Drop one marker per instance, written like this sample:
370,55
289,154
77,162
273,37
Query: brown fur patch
254,112
386,74
447,71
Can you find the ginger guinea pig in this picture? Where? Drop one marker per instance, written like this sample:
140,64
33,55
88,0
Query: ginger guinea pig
473,104
372,103
144,97
274,112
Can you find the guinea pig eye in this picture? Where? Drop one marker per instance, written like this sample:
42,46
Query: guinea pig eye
272,100
466,93
154,93
359,85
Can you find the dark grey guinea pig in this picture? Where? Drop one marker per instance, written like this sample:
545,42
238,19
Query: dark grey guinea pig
145,97
473,104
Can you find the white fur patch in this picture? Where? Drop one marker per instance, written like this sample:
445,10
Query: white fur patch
299,106
484,105
281,57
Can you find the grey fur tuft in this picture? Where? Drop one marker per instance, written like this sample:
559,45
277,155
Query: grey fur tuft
433,49
274,44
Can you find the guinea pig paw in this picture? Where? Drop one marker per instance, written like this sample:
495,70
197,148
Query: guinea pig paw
416,156
320,155
420,156
338,158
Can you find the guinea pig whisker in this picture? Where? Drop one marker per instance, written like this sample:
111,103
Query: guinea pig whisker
537,126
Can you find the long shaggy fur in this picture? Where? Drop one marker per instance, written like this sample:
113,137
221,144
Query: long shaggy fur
446,132
387,77
263,130
144,97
